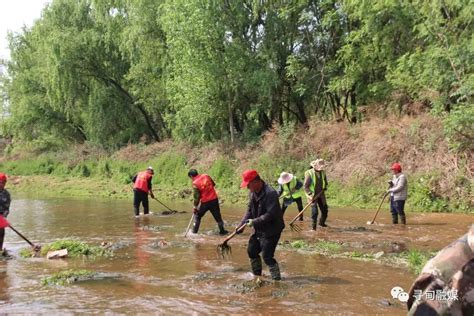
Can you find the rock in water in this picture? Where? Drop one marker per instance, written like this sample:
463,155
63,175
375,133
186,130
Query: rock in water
379,254
57,254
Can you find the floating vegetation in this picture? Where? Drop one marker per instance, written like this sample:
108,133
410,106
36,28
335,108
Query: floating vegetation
68,277
28,252
299,244
74,247
251,285
360,255
322,246
328,246
413,259
204,276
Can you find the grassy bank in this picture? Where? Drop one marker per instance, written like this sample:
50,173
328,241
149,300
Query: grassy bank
359,158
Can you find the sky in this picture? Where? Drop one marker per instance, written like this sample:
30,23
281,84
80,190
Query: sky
13,15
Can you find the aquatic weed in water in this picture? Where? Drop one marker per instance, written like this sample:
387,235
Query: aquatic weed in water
68,277
76,248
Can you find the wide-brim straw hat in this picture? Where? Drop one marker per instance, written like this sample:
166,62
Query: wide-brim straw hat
318,164
285,178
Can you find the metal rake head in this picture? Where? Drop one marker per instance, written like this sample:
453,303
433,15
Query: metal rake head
295,227
224,250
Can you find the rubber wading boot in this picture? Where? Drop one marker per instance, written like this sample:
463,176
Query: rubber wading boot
394,219
403,219
256,265
222,230
196,226
301,218
137,211
314,225
275,272
322,221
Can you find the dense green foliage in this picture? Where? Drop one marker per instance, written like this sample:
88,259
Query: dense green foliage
110,72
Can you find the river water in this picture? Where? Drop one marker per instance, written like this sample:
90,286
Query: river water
157,270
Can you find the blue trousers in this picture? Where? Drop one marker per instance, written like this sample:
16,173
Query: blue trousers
397,207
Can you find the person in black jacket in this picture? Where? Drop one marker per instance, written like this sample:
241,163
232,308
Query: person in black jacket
264,214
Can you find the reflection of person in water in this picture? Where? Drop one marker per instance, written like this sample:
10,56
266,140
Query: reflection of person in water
4,286
142,236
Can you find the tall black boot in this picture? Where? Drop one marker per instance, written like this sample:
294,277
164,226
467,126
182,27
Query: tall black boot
324,216
256,265
403,219
197,223
222,230
275,271
137,211
2,236
394,218
314,224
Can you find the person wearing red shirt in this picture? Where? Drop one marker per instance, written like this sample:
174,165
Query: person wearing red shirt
205,199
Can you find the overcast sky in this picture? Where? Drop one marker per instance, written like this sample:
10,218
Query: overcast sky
13,15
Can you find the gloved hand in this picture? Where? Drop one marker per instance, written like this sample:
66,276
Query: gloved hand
390,183
249,223
195,210
152,195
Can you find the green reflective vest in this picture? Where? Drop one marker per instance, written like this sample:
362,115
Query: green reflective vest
291,186
312,173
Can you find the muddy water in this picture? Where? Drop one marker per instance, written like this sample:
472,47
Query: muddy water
156,270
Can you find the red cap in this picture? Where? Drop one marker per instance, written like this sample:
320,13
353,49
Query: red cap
247,177
3,177
396,167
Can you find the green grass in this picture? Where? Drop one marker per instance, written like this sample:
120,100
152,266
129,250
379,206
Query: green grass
76,248
299,244
27,252
417,260
108,177
413,259
68,277
360,255
321,246
328,246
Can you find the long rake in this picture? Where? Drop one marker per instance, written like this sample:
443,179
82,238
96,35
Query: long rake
189,225
376,213
223,248
296,227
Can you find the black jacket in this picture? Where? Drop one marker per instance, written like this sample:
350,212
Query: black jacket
264,208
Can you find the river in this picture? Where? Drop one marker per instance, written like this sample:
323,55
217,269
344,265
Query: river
157,270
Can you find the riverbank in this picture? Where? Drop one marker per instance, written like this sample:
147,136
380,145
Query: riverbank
359,157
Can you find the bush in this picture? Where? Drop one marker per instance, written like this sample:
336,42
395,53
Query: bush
223,173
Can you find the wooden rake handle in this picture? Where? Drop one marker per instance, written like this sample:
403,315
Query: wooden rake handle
381,202
304,209
189,225
233,234
23,237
